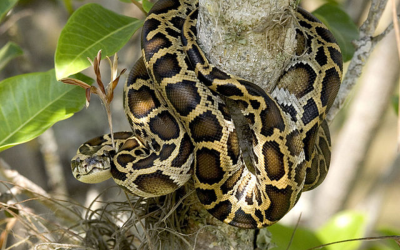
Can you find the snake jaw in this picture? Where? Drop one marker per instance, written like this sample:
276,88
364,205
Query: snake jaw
91,169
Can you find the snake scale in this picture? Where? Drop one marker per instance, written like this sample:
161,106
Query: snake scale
181,127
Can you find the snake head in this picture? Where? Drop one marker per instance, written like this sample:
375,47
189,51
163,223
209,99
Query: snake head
92,166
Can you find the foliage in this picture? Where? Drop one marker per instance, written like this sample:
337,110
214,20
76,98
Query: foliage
31,103
6,6
90,29
343,231
342,27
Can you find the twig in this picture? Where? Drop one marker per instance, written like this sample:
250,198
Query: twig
139,6
24,185
394,237
55,174
365,45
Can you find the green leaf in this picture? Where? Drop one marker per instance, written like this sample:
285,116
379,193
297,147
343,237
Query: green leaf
341,25
8,52
6,6
146,5
303,238
344,226
91,28
31,103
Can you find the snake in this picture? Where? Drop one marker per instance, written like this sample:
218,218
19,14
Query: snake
183,129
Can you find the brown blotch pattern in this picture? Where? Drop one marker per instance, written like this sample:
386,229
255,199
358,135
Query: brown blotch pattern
142,101
206,127
208,168
156,183
165,126
280,202
298,80
273,160
184,96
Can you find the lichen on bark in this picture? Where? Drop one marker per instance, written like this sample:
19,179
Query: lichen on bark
252,39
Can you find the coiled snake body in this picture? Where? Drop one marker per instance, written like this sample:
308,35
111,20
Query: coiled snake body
182,127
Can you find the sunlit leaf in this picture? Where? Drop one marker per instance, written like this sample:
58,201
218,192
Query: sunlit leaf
303,238
146,5
91,28
344,226
31,103
341,25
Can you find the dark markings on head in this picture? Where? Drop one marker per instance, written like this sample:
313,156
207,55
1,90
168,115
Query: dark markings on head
208,168
280,202
142,101
165,67
96,141
221,210
206,196
310,111
122,135
165,126
183,96
298,79
273,161
156,183
206,127
330,87
185,150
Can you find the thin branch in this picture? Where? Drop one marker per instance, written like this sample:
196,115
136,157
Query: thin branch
364,47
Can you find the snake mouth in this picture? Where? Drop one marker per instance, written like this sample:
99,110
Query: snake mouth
91,169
